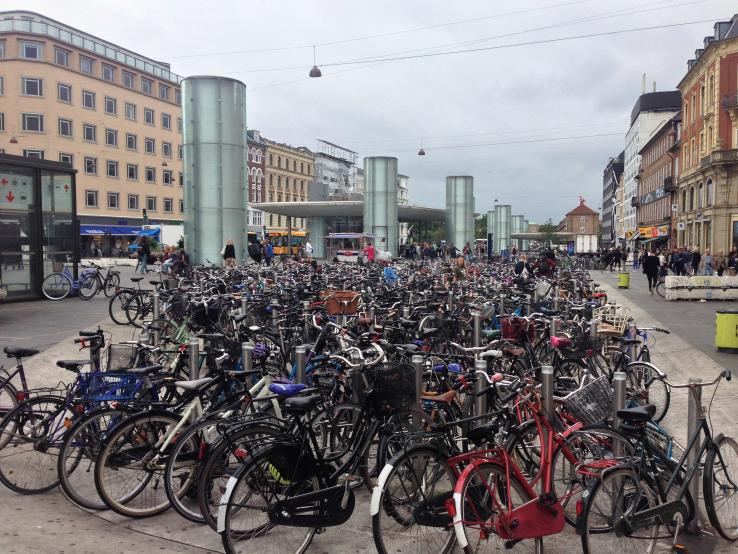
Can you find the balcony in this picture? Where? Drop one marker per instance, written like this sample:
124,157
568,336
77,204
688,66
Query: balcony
730,100
635,201
719,157
669,185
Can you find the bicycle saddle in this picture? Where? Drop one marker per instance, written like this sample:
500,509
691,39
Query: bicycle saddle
144,370
445,398
197,384
638,414
483,433
408,322
626,340
72,365
300,405
19,351
286,389
137,279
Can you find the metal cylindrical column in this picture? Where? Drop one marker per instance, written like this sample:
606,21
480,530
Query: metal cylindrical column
308,317
554,326
547,381
215,167
480,398
528,305
618,401
503,302
380,202
300,376
477,328
406,312
593,329
694,417
194,355
318,230
460,210
419,362
556,298
247,356
633,334
156,314
503,224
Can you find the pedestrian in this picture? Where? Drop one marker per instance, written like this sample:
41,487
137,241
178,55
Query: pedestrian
308,250
732,261
254,250
268,252
144,251
229,254
637,256
720,263
651,269
708,263
370,253
696,259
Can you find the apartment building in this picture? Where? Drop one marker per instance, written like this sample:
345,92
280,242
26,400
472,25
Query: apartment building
708,183
257,174
610,183
113,114
289,172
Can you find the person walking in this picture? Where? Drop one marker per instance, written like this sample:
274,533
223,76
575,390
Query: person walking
144,252
708,263
720,263
268,252
229,254
369,252
732,261
308,250
651,269
696,259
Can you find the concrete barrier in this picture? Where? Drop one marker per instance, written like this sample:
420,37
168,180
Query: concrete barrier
701,287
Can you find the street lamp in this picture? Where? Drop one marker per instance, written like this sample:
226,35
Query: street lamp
315,71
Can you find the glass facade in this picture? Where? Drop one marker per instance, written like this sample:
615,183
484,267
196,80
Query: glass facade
37,223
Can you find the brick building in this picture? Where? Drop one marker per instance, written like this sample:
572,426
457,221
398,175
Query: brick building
257,175
289,172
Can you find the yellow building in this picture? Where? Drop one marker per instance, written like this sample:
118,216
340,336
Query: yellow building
115,115
289,172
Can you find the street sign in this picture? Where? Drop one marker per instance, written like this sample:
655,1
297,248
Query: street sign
675,207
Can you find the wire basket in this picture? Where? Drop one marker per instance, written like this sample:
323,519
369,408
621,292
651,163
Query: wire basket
343,302
121,357
101,387
592,403
616,317
393,387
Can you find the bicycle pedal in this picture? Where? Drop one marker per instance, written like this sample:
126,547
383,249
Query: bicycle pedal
679,548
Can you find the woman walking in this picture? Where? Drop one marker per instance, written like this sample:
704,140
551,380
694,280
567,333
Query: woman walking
651,269
144,252
229,254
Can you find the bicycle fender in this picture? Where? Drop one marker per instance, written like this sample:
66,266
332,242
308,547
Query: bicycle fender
378,488
650,365
224,501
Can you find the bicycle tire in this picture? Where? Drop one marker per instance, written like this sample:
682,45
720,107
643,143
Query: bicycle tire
642,392
8,402
25,467
139,310
116,306
112,282
81,447
728,480
88,286
56,286
661,289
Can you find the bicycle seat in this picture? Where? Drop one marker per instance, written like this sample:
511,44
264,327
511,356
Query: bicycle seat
513,351
197,384
483,433
137,279
445,398
72,365
408,322
155,283
144,370
300,405
626,340
410,347
430,331
560,342
19,351
286,389
638,414
364,321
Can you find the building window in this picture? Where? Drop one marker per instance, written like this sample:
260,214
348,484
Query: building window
108,72
2,49
691,199
151,203
112,170
113,199
151,175
132,172
163,92
131,141
2,86
31,86
131,111
179,124
178,97
91,198
179,151
111,106
148,116
89,132
149,146
166,149
33,122
167,177
128,79
181,179
90,165
38,154
271,159
111,137
166,121
31,50
64,93
86,64
66,158
65,127
168,202
699,196
61,57
708,193
133,201
147,85
181,205
88,99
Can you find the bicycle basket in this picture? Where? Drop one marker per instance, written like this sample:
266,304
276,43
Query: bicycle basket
342,302
592,403
121,357
518,329
393,387
121,387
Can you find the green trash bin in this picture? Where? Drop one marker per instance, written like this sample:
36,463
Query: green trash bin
623,280
726,329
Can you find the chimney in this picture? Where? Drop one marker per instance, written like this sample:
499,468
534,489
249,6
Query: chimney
643,84
654,86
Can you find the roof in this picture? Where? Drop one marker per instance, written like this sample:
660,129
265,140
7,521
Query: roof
346,208
582,209
723,30
656,102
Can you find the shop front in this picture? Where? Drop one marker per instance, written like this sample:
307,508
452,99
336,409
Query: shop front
654,237
38,223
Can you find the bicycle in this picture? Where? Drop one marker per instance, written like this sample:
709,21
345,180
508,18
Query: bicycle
60,284
93,281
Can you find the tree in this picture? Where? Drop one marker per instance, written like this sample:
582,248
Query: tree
548,233
480,227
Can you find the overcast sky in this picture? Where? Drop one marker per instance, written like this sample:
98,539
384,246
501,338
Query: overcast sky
512,95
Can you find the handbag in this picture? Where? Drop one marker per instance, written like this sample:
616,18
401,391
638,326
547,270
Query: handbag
222,251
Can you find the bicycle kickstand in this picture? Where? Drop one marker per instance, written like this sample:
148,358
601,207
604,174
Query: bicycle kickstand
677,547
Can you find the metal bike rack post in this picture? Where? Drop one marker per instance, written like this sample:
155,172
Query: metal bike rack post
477,321
547,380
194,353
300,364
306,309
273,304
528,305
244,304
450,300
156,310
419,362
618,403
373,317
406,312
694,417
593,328
503,299
632,334
480,399
556,299
554,326
247,356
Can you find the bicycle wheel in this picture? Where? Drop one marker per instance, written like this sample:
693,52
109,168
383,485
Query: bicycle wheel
611,502
112,282
79,452
407,507
720,483
661,289
117,306
487,491
130,466
139,310
645,385
164,328
244,522
32,434
56,286
8,400
88,286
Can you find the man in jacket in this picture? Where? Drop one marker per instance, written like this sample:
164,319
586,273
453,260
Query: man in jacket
651,269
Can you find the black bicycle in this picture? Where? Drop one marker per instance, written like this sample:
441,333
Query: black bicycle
107,280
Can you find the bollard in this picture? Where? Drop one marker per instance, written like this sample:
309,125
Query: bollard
275,312
618,399
406,312
300,364
373,318
308,317
480,398
536,295
556,299
694,419
450,300
502,304
554,326
632,334
244,304
547,381
194,353
593,329
528,305
247,356
477,321
419,362
156,310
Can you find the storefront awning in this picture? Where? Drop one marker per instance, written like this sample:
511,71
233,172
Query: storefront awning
116,230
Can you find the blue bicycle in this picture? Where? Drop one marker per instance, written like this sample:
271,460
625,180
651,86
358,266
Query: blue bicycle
60,284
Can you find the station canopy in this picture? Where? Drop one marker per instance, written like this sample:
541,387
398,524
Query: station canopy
334,208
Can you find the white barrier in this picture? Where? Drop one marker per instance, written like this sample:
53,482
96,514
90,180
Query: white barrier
701,287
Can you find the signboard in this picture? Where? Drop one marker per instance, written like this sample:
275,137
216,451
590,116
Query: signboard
654,232
675,207
681,226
